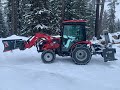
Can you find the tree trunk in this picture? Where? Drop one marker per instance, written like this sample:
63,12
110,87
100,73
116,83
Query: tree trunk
97,19
14,17
63,11
101,17
93,3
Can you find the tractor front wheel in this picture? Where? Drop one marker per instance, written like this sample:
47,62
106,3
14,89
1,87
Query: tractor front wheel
81,55
48,56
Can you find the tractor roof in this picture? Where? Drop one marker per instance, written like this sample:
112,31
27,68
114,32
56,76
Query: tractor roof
74,21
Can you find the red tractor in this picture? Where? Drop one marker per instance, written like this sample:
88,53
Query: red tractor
72,42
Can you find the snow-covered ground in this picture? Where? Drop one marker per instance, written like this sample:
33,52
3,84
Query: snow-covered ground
24,70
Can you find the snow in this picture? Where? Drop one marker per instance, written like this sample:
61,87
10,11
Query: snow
42,11
29,5
24,70
113,39
51,0
41,26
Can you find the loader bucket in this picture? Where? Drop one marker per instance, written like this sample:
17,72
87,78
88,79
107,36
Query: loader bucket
109,54
13,44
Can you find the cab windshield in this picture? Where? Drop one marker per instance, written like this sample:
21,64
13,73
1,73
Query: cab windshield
72,34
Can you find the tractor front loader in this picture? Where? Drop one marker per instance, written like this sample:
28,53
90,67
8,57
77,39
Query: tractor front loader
72,42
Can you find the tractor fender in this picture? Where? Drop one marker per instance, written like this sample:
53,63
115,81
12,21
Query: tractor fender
80,44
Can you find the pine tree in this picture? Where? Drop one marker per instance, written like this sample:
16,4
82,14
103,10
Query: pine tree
111,17
105,21
2,23
24,13
70,10
39,17
9,15
56,15
90,17
12,16
117,25
45,15
5,11
76,9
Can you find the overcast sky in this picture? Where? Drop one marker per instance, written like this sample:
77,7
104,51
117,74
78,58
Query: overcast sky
117,10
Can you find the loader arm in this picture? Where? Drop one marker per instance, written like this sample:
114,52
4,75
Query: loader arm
51,43
35,38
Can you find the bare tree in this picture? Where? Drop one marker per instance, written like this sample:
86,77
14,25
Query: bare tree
101,17
97,18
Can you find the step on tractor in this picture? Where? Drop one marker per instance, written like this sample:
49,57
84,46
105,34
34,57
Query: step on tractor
72,42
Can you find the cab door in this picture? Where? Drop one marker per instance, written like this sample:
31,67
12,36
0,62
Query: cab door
71,35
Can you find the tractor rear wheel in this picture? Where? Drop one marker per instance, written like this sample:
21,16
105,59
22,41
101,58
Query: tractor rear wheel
48,56
81,55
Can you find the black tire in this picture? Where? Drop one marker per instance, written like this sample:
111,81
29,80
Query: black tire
81,55
48,56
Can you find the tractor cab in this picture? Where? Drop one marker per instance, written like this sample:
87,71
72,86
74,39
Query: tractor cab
73,31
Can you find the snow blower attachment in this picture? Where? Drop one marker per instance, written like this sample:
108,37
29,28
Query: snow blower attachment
108,52
72,42
13,44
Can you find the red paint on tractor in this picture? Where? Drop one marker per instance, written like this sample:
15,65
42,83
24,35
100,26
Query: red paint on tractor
48,39
81,42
